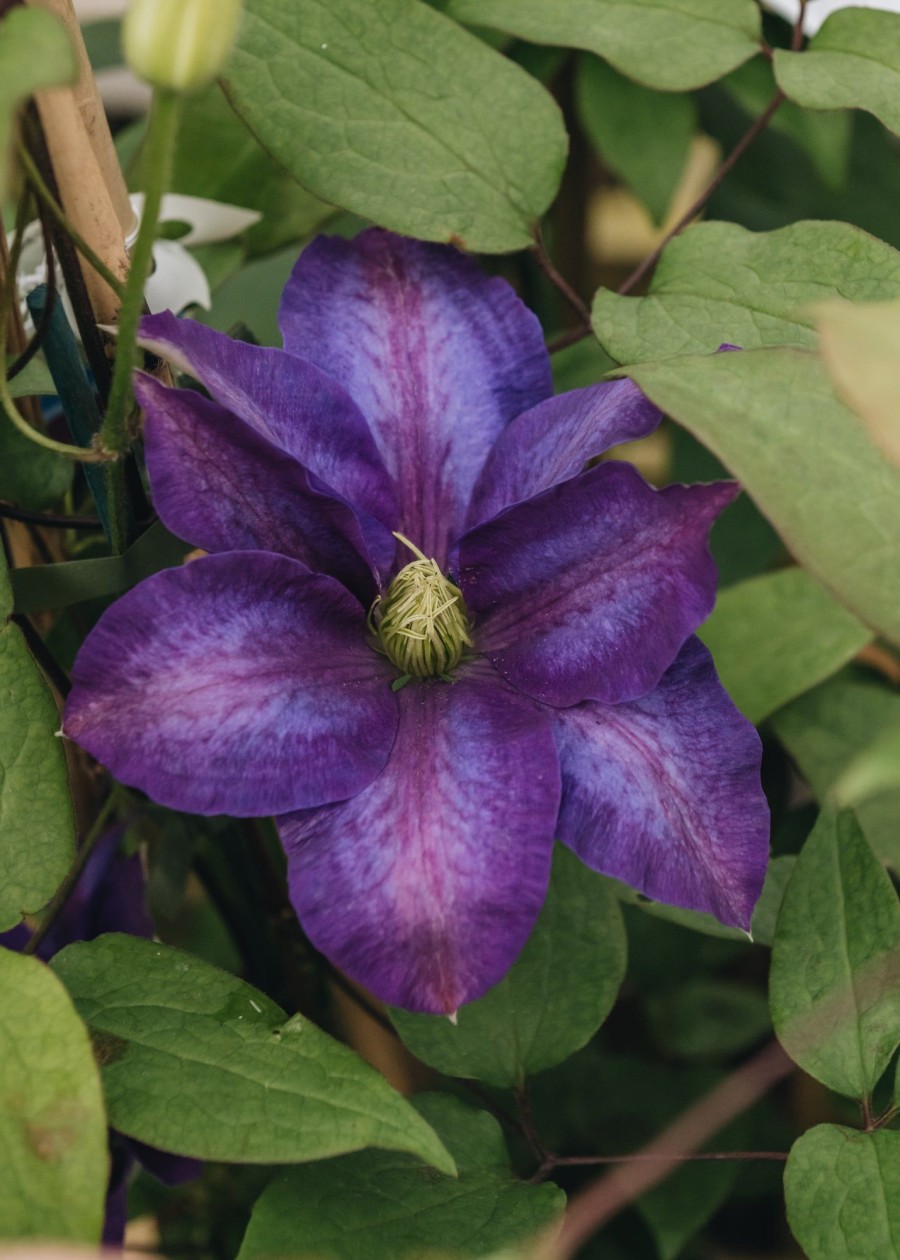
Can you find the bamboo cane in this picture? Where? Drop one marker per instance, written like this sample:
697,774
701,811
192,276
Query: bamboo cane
91,185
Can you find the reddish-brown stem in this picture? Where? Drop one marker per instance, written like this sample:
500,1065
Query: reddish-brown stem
529,1130
691,213
573,1161
797,33
559,282
10,512
599,1202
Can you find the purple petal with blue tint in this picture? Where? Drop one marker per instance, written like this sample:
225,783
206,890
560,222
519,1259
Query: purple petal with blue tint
294,404
590,590
426,885
171,1170
238,684
438,358
664,793
553,441
109,897
223,486
16,938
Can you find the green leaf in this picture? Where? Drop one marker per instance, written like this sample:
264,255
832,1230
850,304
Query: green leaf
707,1019
825,137
872,773
681,1205
669,44
444,140
551,1002
842,1192
768,908
35,53
197,1062
644,136
34,378
861,350
52,1124
218,158
776,636
385,1207
831,727
773,419
250,297
762,927
72,581
30,476
852,63
37,838
832,986
718,283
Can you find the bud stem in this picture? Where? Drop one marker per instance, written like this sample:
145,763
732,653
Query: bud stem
158,156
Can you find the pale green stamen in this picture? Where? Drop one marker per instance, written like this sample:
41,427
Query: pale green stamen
421,624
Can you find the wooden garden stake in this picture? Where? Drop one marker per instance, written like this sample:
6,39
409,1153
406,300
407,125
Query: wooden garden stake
91,185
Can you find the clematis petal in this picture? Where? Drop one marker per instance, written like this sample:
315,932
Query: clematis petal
589,590
223,486
238,684
664,793
449,848
438,358
554,440
293,404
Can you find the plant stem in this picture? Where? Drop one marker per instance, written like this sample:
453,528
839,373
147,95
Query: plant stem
572,1161
162,131
8,300
76,870
755,129
10,512
559,282
599,1202
40,187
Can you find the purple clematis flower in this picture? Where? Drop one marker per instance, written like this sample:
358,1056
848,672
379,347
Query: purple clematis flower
427,639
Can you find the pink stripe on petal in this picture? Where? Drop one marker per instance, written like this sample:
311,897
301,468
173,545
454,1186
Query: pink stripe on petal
553,441
590,590
665,794
239,684
295,405
438,357
426,885
224,487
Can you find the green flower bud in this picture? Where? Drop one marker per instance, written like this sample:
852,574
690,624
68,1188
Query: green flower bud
179,45
421,624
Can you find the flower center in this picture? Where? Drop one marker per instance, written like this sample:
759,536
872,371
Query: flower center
421,624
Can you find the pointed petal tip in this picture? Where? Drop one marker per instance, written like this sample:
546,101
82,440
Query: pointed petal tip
453,1017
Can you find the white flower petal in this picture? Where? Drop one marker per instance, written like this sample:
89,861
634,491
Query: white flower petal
818,10
178,280
209,221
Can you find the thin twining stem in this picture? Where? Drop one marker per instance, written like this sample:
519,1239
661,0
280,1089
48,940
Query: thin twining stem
55,209
599,1202
566,1161
10,512
754,130
40,333
7,403
557,279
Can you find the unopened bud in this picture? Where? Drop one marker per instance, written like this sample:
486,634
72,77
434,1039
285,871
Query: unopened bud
179,45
